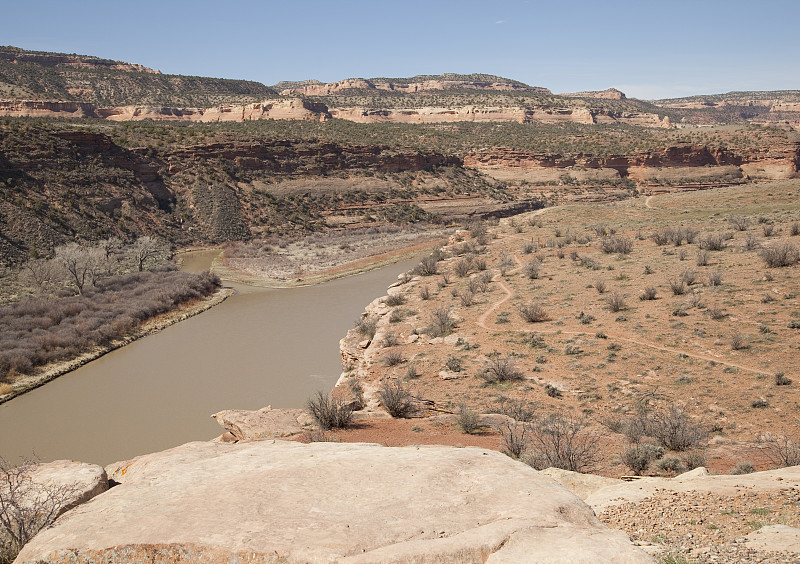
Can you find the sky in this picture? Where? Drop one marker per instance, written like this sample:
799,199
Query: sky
647,49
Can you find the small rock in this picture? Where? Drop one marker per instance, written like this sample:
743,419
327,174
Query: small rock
364,344
447,375
451,339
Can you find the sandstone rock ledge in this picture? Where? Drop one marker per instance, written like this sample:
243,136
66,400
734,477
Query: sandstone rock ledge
275,501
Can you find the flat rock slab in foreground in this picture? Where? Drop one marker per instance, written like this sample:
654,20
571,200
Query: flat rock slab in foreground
326,502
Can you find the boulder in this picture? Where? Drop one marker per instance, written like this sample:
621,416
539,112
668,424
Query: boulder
280,501
75,482
266,423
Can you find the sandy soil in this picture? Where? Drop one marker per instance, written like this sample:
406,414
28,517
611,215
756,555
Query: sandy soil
677,349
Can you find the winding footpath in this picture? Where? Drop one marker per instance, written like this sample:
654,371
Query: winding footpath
508,293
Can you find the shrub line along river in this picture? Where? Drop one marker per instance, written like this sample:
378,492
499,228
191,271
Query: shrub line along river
259,347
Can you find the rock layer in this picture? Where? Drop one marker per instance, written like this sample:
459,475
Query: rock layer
325,502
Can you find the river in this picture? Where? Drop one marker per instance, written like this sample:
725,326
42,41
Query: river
260,347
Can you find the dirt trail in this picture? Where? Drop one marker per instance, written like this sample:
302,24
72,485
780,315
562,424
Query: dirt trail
508,293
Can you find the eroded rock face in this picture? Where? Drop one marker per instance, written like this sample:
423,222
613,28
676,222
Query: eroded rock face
326,502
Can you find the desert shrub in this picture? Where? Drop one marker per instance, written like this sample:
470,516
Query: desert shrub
600,286
759,403
528,247
779,255
694,458
514,437
411,372
442,323
533,313
454,364
616,244
329,412
468,419
781,379
393,358
638,457
462,268
743,467
739,222
37,331
505,263
713,242
397,400
616,302
531,270
482,281
670,463
467,298
715,278
390,339
661,237
367,326
500,369
689,276
397,315
357,390
674,429
716,312
425,293
649,293
794,229
768,229
515,408
635,427
701,259
552,391
562,441
393,300
27,506
690,235
738,341
750,242
782,450
480,264
678,286
428,266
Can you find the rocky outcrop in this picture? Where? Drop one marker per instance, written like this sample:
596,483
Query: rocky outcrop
291,109
412,86
33,108
15,55
519,114
607,94
273,501
677,162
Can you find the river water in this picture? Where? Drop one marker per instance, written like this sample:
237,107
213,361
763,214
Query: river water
260,347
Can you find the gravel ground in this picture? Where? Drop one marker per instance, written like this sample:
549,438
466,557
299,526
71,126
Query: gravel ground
706,527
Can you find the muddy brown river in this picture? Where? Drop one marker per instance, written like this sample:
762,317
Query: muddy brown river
260,347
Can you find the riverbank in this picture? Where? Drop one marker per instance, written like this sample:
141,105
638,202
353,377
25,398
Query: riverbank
53,370
320,258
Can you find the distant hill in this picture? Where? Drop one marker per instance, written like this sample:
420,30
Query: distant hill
35,75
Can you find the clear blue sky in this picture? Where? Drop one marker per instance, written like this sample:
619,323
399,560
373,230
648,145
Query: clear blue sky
647,49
